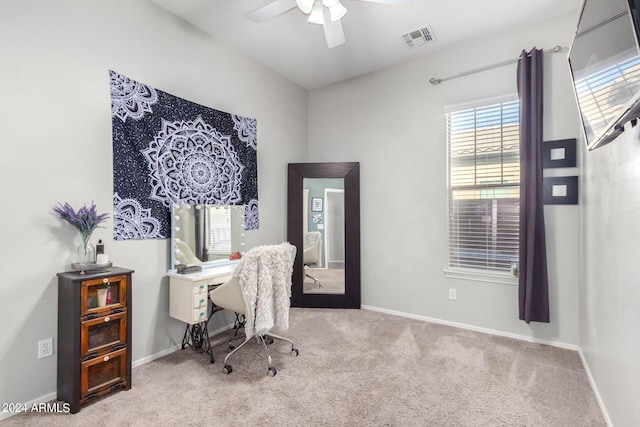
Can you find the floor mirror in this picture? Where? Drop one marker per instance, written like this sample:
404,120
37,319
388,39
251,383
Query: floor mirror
324,224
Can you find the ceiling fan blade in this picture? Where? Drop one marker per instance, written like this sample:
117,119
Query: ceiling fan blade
389,1
332,31
271,10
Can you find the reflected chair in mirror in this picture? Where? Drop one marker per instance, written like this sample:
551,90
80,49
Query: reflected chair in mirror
184,254
261,291
312,254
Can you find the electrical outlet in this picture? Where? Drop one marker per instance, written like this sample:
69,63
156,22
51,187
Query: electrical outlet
45,348
452,294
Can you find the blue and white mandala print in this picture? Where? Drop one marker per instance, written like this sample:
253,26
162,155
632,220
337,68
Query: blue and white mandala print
247,130
130,98
132,221
251,218
191,162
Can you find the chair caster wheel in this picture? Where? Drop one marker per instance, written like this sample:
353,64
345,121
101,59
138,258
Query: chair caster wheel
231,347
294,352
228,369
272,372
268,340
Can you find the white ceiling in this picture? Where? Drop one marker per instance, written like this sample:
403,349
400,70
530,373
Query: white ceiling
296,49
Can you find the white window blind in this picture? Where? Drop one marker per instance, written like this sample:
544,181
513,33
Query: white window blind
219,234
484,186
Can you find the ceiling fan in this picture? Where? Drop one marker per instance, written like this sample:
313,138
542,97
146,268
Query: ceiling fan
327,13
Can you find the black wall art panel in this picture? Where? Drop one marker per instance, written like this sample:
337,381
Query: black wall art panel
168,150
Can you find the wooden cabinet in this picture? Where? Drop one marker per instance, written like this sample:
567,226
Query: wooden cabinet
94,335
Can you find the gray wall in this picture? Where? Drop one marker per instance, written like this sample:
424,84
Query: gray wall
609,292
393,123
55,145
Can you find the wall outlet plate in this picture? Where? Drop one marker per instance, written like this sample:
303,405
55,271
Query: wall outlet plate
45,348
452,294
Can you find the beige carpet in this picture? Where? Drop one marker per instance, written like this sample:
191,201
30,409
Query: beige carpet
332,280
355,368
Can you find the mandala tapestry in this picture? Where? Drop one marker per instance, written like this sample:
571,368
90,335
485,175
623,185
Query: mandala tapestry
166,150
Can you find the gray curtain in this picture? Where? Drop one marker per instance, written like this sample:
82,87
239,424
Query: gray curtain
533,283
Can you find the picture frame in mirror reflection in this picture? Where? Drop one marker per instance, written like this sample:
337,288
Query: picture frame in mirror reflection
206,235
316,204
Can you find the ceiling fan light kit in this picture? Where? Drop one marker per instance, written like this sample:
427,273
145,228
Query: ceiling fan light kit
327,13
317,9
317,14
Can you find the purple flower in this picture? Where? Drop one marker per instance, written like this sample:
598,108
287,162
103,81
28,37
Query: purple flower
85,220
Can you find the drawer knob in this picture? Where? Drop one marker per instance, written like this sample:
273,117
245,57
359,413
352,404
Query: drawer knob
106,358
106,319
105,280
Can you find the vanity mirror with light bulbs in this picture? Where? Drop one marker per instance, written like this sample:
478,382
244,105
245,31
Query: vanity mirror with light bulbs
206,235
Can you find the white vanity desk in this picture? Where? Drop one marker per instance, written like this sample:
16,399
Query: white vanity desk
189,302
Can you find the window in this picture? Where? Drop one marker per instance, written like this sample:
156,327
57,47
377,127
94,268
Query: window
483,187
219,232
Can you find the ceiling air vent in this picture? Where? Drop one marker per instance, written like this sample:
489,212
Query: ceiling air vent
419,37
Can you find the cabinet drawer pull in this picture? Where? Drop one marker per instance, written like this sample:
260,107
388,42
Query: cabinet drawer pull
106,319
106,358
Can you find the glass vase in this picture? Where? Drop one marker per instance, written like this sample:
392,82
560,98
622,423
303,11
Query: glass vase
86,252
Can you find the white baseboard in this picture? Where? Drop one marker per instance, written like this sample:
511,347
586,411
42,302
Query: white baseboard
473,328
154,356
603,409
594,387
170,350
52,396
29,405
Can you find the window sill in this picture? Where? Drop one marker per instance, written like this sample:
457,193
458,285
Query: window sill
481,276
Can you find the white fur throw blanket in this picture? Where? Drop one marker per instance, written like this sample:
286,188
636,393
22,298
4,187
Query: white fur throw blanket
265,279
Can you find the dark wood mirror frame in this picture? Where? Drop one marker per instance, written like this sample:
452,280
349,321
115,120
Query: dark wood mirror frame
350,171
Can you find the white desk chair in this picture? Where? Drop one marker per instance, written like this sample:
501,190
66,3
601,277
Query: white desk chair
261,291
312,253
184,254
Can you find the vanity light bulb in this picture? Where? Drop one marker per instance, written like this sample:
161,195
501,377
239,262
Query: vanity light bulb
177,217
178,251
177,228
198,207
175,205
187,206
177,240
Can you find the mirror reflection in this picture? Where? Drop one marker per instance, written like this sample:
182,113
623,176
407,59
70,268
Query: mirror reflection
323,235
206,235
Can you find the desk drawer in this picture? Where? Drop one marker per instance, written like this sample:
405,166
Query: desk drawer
200,287
200,314
200,300
219,280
